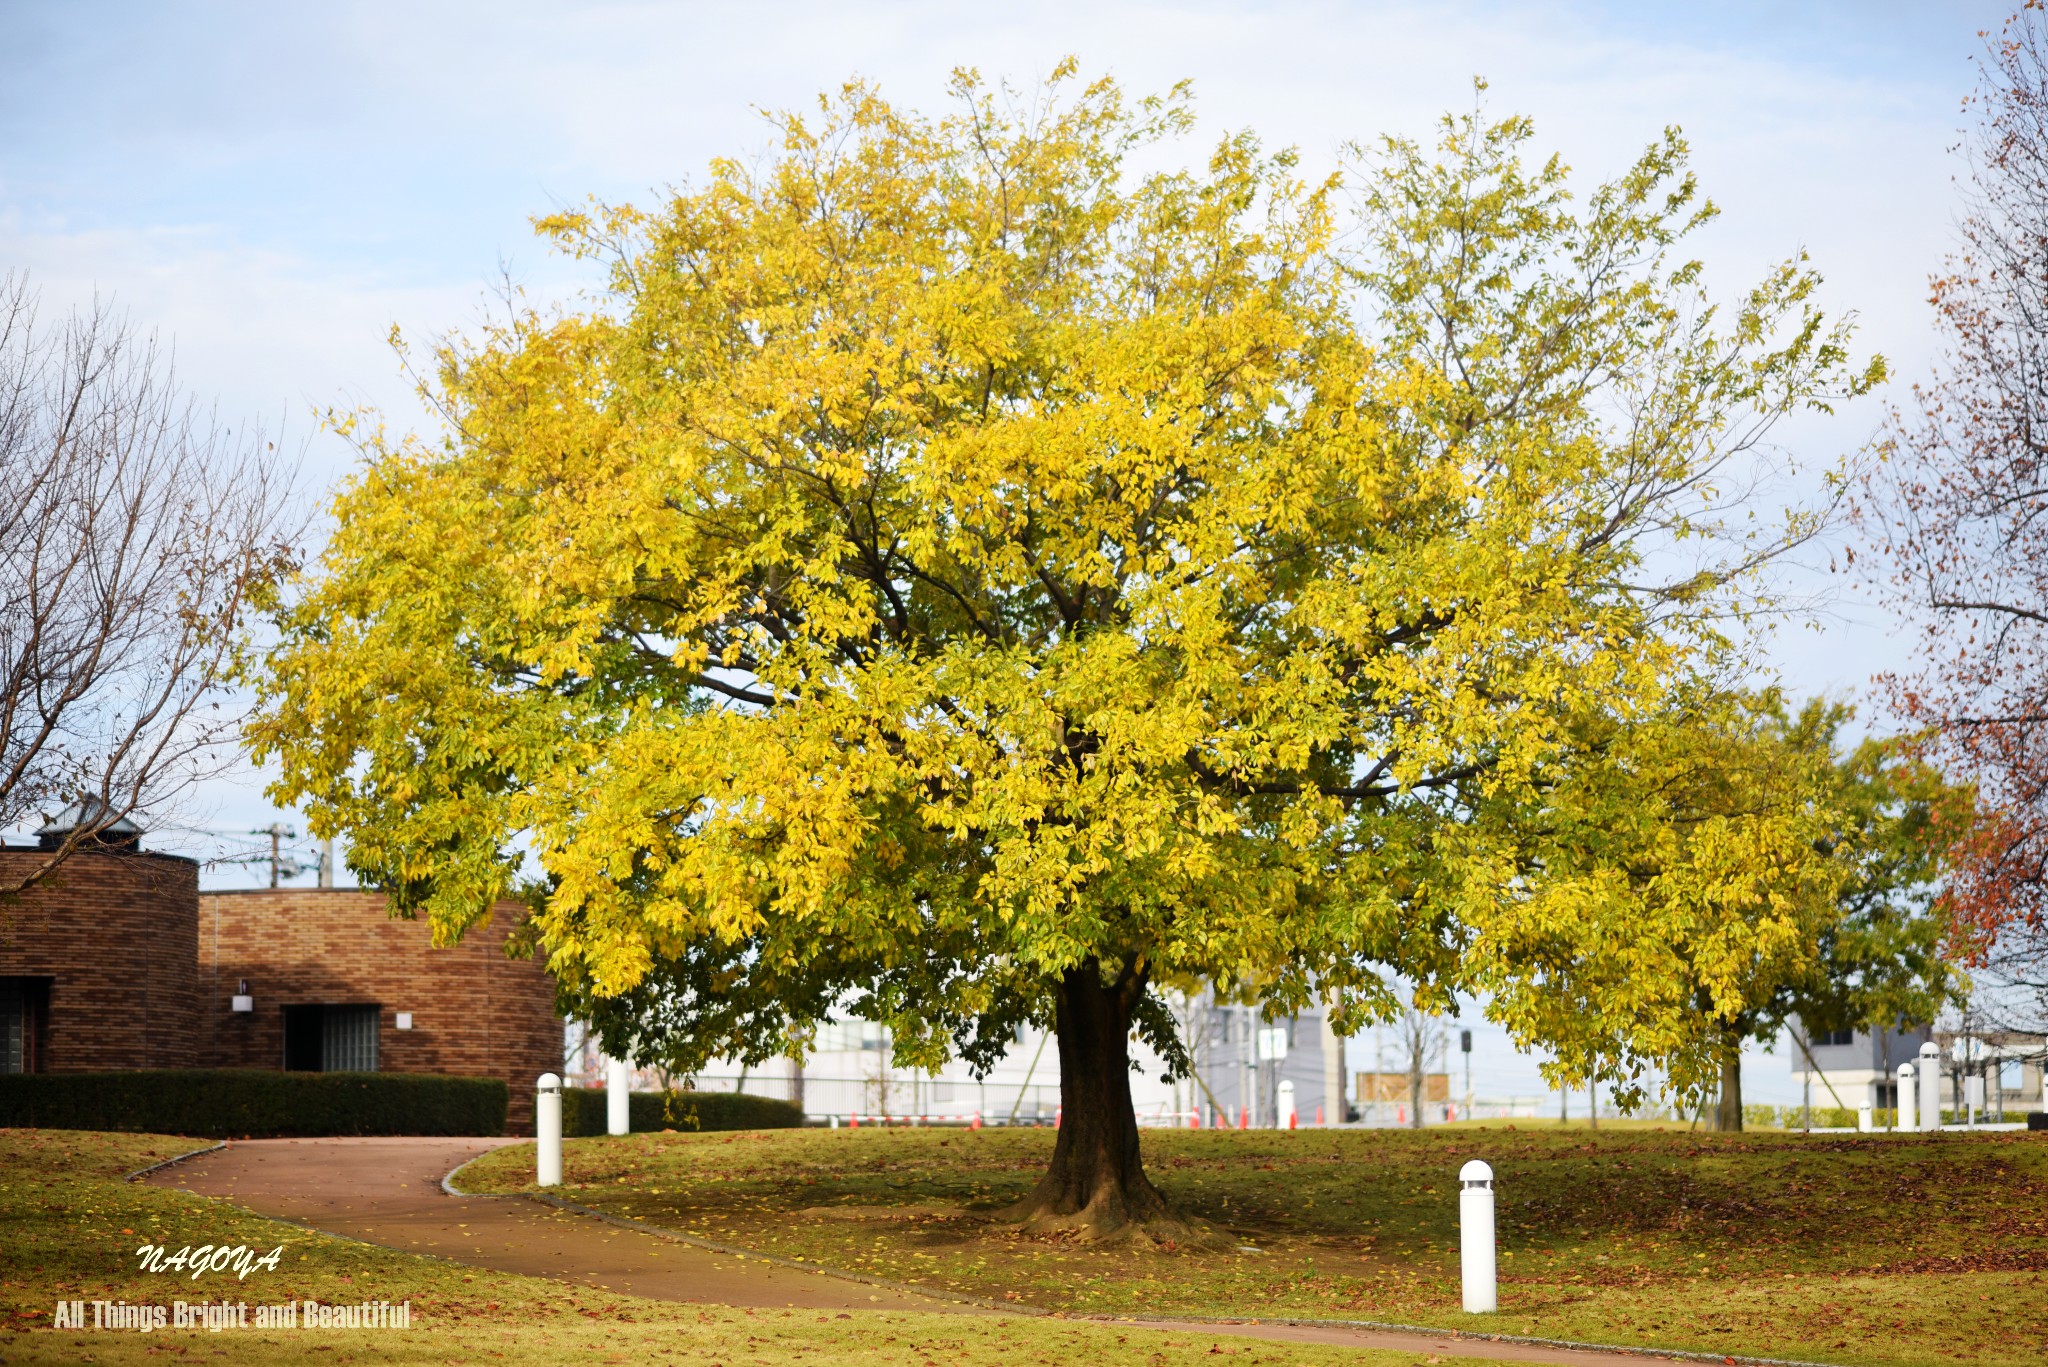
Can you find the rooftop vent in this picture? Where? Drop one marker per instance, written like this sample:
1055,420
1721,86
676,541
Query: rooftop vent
116,835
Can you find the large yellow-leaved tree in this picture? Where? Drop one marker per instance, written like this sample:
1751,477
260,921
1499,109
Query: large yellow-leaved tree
948,575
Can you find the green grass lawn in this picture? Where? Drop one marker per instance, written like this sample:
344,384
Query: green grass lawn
1851,1249
69,1227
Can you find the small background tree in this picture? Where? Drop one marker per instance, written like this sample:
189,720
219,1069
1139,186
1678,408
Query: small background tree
1883,960
1419,1042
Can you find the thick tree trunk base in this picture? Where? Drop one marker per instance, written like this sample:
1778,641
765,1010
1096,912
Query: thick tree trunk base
1728,1110
1095,1188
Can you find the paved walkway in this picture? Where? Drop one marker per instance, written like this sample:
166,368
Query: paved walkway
388,1191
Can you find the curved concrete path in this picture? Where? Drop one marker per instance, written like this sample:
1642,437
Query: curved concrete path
388,1191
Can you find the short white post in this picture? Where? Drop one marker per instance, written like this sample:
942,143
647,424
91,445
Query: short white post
1863,1121
1908,1117
1475,1238
547,1131
1286,1117
1930,1086
618,1104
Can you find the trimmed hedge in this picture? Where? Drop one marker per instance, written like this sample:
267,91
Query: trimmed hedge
224,1103
1836,1117
1824,1117
583,1111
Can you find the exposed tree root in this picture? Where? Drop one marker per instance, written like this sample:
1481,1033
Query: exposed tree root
1108,1222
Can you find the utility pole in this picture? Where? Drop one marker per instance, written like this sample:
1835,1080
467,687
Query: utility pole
327,862
1247,1071
1806,1089
276,833
1465,1047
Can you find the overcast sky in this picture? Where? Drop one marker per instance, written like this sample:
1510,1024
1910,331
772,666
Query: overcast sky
276,186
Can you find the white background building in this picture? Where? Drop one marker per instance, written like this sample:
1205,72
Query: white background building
1238,1075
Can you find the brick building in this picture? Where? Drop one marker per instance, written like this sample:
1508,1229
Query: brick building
331,981
118,961
99,968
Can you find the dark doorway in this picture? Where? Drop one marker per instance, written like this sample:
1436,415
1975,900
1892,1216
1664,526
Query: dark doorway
24,1024
302,1039
330,1039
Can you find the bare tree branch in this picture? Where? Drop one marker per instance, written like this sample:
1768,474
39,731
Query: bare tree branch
136,530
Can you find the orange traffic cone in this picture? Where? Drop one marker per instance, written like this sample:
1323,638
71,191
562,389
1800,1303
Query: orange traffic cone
854,1121
975,1123
1244,1117
1319,1117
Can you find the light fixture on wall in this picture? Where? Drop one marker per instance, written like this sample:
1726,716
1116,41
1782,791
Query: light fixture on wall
242,1001
405,1020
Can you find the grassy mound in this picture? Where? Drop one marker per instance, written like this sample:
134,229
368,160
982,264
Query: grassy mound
1852,1249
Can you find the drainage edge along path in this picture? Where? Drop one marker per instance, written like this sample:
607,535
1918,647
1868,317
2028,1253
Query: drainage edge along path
401,1193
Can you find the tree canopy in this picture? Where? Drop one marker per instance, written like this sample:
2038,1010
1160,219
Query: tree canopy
1765,870
948,572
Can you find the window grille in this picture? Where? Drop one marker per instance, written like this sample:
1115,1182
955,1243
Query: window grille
13,1030
348,1039
24,1017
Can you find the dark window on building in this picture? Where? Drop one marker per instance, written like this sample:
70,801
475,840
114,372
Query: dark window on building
1833,1038
24,1024
348,1040
330,1039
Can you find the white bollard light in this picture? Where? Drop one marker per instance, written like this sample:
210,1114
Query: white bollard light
1475,1238
618,1104
1863,1118
1286,1116
1929,1072
1908,1118
547,1131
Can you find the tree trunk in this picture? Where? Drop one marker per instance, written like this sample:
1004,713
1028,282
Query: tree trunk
1728,1113
1096,1185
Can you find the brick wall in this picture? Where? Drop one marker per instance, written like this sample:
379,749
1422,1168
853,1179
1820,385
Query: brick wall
115,932
474,1011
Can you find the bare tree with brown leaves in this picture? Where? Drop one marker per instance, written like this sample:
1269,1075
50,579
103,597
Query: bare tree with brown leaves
134,530
1960,506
